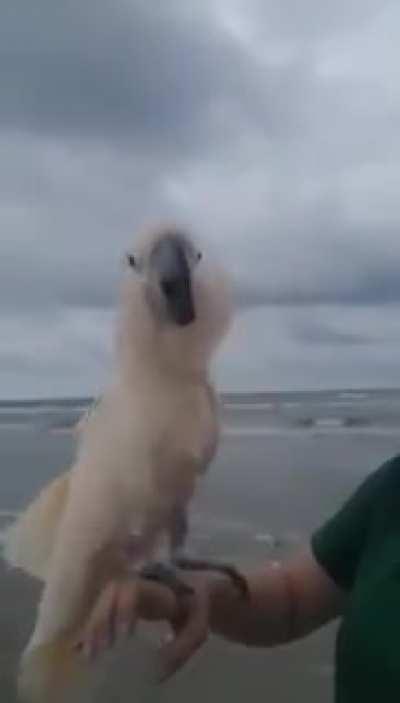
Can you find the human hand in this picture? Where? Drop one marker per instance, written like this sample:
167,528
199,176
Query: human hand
123,602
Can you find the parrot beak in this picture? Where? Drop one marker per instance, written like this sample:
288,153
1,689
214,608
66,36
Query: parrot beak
170,261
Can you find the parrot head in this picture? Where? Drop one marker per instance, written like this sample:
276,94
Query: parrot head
167,266
177,301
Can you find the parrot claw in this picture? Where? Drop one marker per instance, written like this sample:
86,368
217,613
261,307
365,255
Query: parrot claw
189,564
167,575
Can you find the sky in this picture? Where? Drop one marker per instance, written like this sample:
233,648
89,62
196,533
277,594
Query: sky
270,128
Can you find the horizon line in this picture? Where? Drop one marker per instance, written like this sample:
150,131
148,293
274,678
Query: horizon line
239,392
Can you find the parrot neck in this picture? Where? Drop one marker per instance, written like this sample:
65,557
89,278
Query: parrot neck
163,354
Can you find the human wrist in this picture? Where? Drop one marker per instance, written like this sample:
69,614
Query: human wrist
223,596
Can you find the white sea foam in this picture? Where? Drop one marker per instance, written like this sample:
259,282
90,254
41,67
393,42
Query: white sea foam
352,396
16,425
68,430
248,406
265,538
8,514
6,518
329,422
255,431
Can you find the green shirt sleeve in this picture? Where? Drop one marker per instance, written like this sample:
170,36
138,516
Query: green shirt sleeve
339,543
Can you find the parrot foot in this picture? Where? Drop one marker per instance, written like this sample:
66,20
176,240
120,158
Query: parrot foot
189,564
167,575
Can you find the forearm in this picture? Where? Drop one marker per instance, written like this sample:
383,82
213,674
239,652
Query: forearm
264,619
286,602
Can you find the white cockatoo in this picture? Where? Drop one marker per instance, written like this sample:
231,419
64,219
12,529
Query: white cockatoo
150,436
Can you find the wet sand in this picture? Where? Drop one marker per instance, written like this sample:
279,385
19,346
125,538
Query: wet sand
264,496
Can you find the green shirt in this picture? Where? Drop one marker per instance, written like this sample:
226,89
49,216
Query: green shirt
359,547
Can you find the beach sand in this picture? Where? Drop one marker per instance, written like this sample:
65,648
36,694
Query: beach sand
264,496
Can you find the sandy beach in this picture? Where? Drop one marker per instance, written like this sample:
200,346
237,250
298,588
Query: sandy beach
266,493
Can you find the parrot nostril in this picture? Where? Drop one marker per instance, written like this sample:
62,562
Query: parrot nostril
170,287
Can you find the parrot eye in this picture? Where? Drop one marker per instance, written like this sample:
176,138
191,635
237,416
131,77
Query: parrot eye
131,260
199,256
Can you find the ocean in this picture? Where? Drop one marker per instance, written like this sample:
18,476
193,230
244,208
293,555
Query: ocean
286,462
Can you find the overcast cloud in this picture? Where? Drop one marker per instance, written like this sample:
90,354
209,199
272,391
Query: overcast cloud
272,128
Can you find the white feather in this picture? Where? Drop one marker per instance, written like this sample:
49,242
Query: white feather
141,450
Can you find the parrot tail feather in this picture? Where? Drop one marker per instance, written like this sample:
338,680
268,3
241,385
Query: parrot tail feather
51,672
29,541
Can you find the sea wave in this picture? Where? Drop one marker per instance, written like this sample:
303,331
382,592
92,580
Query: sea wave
16,425
348,395
334,422
8,514
305,427
267,539
247,406
254,415
244,431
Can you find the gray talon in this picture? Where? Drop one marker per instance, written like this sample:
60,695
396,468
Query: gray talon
178,533
166,575
189,564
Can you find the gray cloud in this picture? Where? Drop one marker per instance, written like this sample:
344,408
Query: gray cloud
272,130
311,20
119,71
342,274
